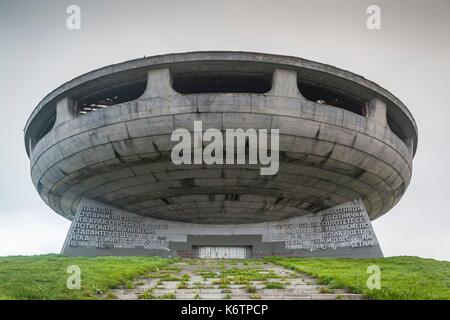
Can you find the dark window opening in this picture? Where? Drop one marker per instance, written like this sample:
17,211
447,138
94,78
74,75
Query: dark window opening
221,83
165,200
232,197
328,96
112,96
279,199
395,128
46,127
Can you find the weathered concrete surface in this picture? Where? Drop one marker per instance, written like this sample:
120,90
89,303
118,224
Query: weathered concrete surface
120,155
342,231
197,285
134,70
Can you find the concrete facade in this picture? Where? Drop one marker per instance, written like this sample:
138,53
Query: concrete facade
342,231
119,154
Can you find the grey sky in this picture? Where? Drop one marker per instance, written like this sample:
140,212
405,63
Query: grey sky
410,56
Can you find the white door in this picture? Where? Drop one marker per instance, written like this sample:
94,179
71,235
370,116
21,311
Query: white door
222,252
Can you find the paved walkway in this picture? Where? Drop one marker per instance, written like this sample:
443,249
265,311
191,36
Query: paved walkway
228,279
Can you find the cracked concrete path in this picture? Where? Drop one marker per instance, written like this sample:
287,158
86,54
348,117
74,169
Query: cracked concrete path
228,279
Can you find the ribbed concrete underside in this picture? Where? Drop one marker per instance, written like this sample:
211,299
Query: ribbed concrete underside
121,156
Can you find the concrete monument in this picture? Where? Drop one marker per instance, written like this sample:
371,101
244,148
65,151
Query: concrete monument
102,151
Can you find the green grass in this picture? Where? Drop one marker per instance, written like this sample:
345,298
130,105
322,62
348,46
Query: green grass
170,278
326,290
274,285
241,276
167,296
45,276
222,281
147,295
401,277
255,296
250,289
240,280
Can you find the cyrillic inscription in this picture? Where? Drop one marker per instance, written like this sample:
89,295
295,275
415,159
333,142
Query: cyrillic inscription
101,228
343,226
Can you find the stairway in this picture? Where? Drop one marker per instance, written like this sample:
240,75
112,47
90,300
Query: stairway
229,279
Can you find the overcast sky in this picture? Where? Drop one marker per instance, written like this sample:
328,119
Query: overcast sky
409,56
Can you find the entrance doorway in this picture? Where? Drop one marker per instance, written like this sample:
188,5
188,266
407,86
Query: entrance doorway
222,252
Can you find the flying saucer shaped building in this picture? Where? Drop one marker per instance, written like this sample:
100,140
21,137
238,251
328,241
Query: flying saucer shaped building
100,151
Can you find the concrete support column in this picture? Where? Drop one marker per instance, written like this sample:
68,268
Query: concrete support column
410,144
159,84
284,84
31,144
377,112
65,110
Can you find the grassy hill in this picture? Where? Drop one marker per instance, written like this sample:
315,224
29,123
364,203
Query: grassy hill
45,276
401,277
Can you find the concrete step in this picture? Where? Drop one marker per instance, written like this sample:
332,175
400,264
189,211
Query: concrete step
320,296
271,297
296,285
243,290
